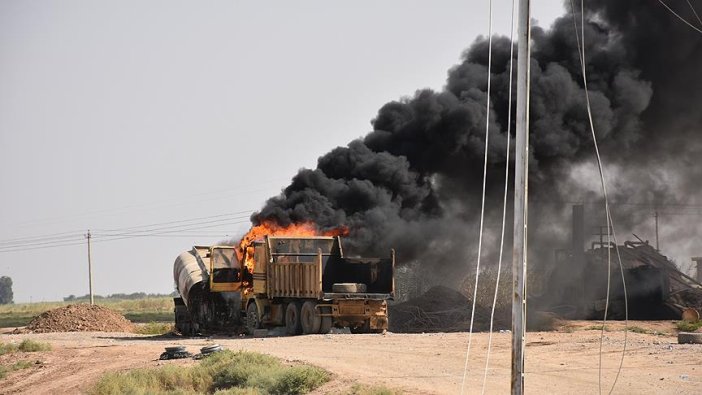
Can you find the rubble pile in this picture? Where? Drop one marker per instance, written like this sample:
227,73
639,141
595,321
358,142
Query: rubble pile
80,318
440,309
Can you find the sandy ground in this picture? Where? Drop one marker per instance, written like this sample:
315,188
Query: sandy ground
564,362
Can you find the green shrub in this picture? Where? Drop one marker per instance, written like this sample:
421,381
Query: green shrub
19,365
226,372
155,328
6,348
359,389
32,346
298,380
685,326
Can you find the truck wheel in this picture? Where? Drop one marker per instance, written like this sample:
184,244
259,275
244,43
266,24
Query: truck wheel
326,321
293,323
253,321
311,321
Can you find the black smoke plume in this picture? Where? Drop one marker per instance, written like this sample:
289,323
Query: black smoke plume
414,182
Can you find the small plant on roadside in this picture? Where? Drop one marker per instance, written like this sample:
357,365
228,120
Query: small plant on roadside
26,346
638,329
359,389
6,348
33,346
226,372
155,328
19,365
685,326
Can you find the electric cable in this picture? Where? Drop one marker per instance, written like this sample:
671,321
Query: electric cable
680,17
694,12
611,234
482,205
504,201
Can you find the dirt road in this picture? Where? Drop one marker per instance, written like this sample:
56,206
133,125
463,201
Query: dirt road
563,362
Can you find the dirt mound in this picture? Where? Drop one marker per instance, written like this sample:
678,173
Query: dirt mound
440,309
80,318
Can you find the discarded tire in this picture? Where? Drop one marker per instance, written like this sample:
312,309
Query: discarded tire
176,352
349,287
210,349
689,338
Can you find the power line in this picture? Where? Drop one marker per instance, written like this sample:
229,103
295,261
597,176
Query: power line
154,232
67,236
694,12
680,17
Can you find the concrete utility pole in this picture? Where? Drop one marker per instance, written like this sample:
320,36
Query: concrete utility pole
90,270
655,215
521,184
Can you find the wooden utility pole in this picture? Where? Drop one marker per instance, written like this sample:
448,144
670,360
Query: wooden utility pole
90,270
521,183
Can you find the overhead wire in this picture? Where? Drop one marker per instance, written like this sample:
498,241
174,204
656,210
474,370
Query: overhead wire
137,231
611,234
482,204
504,201
680,17
694,12
40,240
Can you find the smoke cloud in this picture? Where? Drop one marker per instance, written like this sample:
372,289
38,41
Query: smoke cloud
414,182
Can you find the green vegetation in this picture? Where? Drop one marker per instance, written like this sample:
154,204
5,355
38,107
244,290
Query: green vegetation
221,373
685,326
32,346
155,328
26,346
359,389
158,309
6,296
19,365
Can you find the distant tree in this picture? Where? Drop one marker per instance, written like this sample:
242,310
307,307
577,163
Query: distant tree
6,296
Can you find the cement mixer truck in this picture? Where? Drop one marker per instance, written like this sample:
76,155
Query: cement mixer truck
303,283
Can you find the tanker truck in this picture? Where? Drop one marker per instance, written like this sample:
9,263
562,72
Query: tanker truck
303,283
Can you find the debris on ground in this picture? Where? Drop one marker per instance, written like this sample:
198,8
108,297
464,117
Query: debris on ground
440,309
79,318
177,352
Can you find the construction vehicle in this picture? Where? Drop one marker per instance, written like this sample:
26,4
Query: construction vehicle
303,283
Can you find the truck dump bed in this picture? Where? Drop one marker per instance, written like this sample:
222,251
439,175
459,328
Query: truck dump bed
309,268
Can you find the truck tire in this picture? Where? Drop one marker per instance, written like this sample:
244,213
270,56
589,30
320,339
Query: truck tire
349,288
293,323
326,321
253,321
311,321
689,338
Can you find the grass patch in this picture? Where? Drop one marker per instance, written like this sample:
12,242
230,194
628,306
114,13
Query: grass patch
155,328
360,389
684,326
6,348
221,373
638,329
32,346
26,346
157,309
19,365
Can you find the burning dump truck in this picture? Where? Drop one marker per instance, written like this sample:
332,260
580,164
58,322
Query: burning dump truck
304,283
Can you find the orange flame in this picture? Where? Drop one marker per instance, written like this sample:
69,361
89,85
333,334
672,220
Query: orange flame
270,228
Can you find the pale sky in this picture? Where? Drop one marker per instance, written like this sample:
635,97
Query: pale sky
120,114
